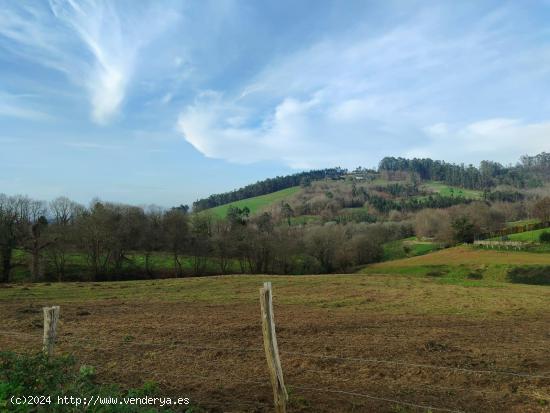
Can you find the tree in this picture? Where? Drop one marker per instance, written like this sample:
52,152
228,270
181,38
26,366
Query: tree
237,216
62,234
287,212
96,236
9,220
151,236
260,243
323,244
222,246
541,209
463,230
34,240
176,231
366,249
200,245
544,237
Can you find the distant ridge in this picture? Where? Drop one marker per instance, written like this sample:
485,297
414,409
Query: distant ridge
267,186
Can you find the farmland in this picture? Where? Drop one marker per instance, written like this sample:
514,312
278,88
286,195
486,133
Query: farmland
201,337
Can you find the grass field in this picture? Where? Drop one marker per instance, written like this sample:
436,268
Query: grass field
201,337
256,203
522,222
409,247
446,190
162,264
528,236
467,266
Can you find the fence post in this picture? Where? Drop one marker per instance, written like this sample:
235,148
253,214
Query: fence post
280,395
51,316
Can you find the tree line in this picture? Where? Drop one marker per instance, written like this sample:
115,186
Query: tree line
531,171
267,186
63,240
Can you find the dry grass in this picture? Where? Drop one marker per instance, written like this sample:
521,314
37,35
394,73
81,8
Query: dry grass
469,255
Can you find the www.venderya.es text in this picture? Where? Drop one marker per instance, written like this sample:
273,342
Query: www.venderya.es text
99,401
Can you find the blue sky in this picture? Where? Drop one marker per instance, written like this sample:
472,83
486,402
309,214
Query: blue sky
168,101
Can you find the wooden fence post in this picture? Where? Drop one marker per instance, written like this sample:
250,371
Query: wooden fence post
51,316
280,395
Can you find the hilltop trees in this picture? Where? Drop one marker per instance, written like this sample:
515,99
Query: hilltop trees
528,173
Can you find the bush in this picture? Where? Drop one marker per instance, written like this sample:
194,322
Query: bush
24,375
530,275
545,237
437,271
475,275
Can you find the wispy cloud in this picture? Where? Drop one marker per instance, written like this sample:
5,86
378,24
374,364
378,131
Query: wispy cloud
352,99
92,42
20,106
91,145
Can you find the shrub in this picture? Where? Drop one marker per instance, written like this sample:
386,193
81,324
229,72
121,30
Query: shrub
24,375
530,275
545,237
475,275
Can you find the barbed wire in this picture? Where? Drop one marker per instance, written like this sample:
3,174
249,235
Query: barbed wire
73,342
383,399
21,334
417,365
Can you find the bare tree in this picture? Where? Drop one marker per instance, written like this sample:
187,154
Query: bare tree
61,232
34,240
541,209
8,233
176,232
152,236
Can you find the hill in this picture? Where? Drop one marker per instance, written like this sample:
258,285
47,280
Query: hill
267,186
462,265
448,190
256,203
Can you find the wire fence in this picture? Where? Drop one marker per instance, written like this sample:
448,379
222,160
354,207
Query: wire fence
230,379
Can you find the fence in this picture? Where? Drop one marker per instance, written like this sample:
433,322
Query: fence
275,377
516,230
508,245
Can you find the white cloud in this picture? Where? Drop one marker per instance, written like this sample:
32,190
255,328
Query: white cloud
300,133
319,107
481,140
54,37
353,99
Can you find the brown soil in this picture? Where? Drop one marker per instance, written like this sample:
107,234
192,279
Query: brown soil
214,355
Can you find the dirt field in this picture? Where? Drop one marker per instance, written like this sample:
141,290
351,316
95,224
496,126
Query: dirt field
340,337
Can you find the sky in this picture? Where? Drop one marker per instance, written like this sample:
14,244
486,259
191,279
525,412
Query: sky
164,102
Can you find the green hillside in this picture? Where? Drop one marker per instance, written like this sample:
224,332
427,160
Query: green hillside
447,190
528,236
409,247
256,203
463,265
